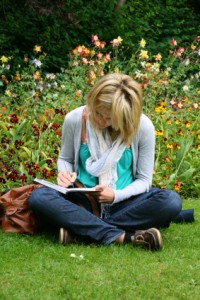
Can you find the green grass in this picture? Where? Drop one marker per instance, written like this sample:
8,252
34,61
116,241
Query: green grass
37,267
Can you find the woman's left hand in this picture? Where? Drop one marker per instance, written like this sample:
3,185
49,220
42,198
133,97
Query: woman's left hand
106,195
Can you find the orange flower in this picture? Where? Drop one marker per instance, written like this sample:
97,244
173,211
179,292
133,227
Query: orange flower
92,75
158,57
78,93
177,185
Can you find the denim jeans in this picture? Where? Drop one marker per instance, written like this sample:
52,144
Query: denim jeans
156,208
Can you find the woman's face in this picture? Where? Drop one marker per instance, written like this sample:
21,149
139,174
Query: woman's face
102,117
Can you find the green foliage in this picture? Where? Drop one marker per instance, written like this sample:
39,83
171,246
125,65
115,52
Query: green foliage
60,25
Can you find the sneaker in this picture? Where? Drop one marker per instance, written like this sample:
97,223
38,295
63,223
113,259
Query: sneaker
149,239
66,237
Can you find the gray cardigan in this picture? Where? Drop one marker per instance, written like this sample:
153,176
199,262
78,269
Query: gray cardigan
143,149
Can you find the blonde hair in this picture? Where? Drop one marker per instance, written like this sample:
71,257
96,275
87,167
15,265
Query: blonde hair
122,95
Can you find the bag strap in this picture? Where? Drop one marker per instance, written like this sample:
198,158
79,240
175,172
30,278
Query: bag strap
83,132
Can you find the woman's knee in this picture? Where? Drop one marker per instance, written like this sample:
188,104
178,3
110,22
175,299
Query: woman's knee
174,201
37,196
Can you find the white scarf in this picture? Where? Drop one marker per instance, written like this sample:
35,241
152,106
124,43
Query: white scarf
104,155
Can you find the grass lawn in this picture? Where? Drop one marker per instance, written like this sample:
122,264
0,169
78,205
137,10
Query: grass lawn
37,267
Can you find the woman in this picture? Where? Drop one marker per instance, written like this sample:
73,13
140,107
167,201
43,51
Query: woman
110,145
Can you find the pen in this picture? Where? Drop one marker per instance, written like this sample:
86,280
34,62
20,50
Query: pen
73,176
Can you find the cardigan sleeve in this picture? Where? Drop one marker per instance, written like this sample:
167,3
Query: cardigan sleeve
71,132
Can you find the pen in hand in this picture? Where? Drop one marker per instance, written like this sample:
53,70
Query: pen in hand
73,176
66,179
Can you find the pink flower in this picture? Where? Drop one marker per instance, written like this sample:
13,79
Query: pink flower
173,42
107,57
102,45
85,61
99,55
95,38
179,52
116,42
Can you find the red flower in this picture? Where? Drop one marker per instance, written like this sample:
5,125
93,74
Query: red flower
14,118
55,126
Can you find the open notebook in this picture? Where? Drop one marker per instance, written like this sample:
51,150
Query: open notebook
65,190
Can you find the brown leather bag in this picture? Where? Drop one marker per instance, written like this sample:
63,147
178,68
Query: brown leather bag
15,214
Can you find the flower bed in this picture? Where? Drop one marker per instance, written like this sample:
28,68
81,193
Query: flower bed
33,104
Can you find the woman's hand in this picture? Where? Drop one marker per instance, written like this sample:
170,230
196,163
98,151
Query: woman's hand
106,195
65,179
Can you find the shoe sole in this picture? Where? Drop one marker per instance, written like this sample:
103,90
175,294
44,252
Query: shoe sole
158,240
61,235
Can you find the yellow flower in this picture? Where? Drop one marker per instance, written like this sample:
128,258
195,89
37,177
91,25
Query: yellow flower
157,109
37,48
143,54
4,59
157,65
159,132
193,47
8,92
142,43
116,70
170,146
119,39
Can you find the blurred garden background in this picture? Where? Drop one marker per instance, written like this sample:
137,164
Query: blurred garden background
52,52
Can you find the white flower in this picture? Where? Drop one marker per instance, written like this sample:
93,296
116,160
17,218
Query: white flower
81,256
54,84
50,76
36,62
72,255
186,62
139,74
185,88
198,52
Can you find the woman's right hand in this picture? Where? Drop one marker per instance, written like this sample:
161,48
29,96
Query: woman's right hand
65,179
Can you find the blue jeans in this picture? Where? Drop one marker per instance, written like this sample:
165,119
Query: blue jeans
156,208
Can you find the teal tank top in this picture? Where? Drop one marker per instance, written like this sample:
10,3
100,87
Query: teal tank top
124,169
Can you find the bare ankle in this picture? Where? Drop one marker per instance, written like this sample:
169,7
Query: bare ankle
120,239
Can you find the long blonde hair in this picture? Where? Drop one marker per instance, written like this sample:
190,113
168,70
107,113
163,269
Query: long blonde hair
122,95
